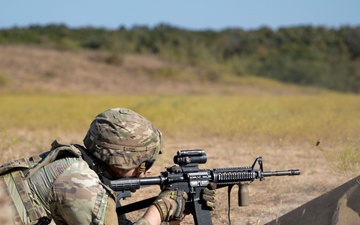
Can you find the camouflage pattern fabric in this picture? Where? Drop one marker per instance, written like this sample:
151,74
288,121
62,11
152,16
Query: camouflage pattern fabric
22,205
61,187
78,197
123,138
59,184
65,190
7,213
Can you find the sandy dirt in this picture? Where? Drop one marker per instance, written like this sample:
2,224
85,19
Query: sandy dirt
269,199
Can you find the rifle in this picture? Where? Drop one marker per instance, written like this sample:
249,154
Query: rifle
188,177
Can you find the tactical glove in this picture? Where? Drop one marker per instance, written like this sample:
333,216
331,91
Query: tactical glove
209,196
171,205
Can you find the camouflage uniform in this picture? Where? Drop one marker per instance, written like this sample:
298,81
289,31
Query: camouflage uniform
65,190
60,185
64,185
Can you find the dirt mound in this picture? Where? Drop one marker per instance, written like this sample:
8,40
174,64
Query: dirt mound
32,69
340,206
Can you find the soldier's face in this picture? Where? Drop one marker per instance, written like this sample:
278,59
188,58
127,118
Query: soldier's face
130,173
143,174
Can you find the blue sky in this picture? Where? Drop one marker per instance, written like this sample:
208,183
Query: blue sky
194,14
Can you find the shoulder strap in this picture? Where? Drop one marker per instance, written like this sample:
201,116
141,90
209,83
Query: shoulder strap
57,151
85,156
19,164
21,199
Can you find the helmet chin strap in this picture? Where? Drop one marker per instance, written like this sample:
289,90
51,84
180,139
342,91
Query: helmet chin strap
141,169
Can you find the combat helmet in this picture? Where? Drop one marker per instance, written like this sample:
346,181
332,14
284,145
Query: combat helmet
122,138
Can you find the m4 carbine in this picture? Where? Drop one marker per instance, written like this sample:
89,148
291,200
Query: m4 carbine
187,176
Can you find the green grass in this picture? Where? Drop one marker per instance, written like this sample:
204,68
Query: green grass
4,79
293,118
344,156
334,118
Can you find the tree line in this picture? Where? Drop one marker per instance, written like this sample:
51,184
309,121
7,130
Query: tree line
306,55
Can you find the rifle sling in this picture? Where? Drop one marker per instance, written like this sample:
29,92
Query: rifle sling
135,206
229,205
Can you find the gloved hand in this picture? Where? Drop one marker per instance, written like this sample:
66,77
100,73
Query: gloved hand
171,204
209,196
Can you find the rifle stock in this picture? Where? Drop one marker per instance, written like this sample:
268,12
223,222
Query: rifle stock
188,177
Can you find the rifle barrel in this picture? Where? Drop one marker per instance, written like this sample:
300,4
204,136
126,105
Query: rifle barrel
281,173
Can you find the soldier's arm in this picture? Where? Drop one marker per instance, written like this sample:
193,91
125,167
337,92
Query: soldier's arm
78,196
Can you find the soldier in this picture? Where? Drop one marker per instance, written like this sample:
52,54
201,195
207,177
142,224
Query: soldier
64,185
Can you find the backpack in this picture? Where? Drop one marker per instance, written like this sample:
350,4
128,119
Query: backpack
13,181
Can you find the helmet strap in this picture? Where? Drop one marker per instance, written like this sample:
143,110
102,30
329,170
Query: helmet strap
141,169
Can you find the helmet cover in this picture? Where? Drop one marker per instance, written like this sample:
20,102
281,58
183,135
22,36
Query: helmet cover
123,138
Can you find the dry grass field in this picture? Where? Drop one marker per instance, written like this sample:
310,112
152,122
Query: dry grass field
47,95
